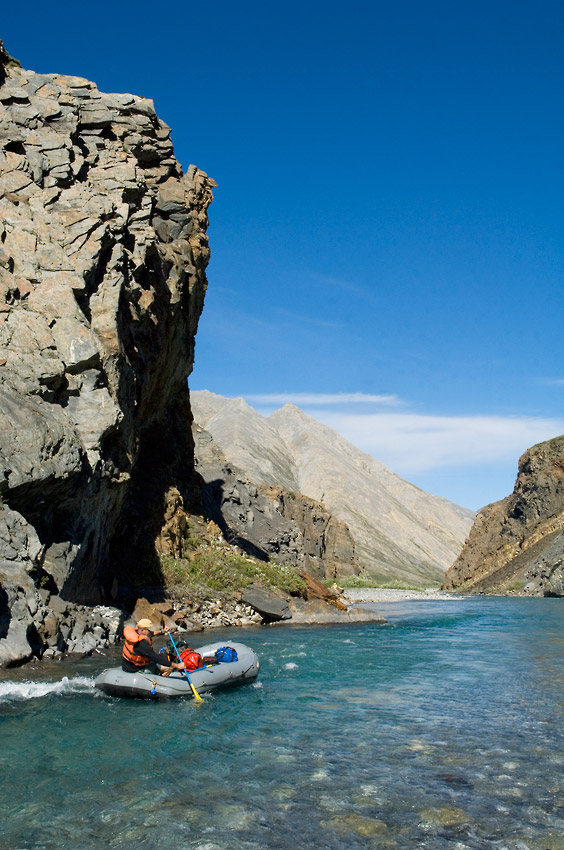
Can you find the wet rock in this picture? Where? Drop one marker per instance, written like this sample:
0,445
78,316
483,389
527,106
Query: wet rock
361,825
445,816
270,604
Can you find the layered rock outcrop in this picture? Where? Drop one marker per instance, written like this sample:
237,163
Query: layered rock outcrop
270,522
103,251
518,543
399,531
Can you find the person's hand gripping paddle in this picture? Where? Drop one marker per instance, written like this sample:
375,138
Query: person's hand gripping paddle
194,691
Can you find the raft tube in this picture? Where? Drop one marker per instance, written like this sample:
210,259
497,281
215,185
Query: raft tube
144,685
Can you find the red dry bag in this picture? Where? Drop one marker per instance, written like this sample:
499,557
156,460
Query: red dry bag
191,658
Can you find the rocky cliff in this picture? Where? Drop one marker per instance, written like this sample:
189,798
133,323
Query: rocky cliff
399,531
517,544
270,522
103,252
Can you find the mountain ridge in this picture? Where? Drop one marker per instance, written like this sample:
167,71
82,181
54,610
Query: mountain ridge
400,531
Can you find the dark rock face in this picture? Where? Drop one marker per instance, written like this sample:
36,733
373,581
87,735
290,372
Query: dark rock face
326,542
519,541
103,251
272,606
267,521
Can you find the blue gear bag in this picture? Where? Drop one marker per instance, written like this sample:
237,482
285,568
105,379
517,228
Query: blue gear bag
226,653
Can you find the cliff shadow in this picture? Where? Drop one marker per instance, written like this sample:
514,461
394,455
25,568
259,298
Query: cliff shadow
5,614
164,461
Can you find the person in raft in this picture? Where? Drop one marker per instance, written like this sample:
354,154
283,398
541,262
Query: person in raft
138,652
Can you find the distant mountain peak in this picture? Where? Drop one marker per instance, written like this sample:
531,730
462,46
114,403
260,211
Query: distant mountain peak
291,407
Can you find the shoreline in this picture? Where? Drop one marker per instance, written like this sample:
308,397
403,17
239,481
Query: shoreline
382,594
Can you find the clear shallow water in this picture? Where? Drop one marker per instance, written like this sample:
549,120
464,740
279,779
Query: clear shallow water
443,729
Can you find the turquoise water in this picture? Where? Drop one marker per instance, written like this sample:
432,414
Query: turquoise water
443,729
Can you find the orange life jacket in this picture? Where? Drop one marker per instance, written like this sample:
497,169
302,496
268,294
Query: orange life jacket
132,637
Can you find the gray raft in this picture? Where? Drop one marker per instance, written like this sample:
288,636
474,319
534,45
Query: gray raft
143,685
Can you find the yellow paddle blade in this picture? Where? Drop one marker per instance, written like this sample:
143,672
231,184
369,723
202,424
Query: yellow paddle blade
196,694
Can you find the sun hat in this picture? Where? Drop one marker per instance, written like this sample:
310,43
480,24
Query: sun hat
146,624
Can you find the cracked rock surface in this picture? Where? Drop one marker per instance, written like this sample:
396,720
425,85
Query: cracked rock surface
103,251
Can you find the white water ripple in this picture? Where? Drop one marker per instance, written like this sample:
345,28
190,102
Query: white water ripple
13,691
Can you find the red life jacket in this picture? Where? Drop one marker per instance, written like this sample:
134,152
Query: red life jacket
191,658
132,638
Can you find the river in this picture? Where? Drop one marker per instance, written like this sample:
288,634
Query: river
443,729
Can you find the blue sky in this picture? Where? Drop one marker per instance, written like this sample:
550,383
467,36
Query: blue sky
387,231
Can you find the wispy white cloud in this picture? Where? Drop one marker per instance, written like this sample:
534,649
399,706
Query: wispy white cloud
313,399
292,316
411,443
345,285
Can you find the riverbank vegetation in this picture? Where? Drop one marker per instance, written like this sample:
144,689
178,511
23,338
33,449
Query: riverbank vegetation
220,570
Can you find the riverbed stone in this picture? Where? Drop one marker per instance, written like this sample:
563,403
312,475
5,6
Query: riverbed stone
445,816
361,825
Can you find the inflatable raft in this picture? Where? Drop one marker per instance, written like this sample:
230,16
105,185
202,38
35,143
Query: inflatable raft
146,685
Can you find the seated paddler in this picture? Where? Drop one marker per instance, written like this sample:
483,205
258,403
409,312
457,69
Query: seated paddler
138,652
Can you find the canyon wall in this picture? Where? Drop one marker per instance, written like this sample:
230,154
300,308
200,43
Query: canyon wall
103,252
269,522
517,544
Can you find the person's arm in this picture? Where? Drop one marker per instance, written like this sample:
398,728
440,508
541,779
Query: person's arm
145,649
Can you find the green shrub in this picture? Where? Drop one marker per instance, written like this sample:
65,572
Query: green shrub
221,571
516,585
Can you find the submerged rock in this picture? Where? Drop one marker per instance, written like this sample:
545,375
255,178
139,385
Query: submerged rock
359,824
445,816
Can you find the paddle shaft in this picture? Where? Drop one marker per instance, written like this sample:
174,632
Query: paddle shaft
195,692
